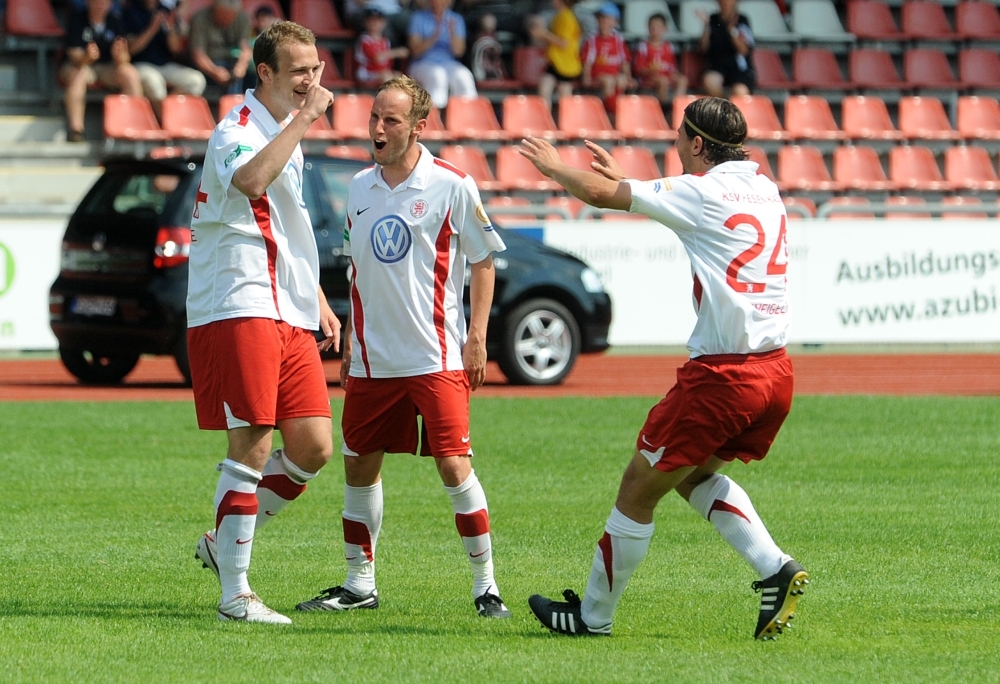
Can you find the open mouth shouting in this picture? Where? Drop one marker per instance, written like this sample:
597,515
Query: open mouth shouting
379,144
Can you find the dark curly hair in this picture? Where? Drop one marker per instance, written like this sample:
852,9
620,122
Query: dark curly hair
721,126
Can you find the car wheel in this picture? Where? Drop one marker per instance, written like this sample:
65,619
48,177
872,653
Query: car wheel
98,369
181,358
540,345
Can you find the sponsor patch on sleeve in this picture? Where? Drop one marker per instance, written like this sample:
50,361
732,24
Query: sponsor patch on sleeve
240,149
662,185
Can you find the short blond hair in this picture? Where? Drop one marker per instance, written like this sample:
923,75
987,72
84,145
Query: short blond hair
420,99
265,48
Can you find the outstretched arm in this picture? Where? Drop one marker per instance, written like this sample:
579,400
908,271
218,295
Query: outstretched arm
605,191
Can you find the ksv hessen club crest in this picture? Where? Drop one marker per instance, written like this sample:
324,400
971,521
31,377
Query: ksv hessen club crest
391,239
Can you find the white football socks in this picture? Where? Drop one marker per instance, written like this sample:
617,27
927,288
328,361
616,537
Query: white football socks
362,520
724,504
472,518
618,554
282,483
235,519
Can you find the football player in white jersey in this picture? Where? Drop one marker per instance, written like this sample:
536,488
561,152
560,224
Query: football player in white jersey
733,394
253,301
413,223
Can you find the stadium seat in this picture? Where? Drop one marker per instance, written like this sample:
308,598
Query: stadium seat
927,68
322,129
187,117
473,118
514,172
472,160
672,163
817,68
872,20
690,24
321,18
801,167
758,155
802,202
906,201
978,118
762,120
496,206
530,63
349,152
809,118
977,21
435,130
924,118
979,68
577,156
970,168
872,69
584,116
332,78
635,22
636,162
525,115
914,167
640,117
817,20
251,7
925,20
131,117
679,105
962,201
859,168
31,25
770,71
226,104
567,202
351,112
867,118
766,21
848,202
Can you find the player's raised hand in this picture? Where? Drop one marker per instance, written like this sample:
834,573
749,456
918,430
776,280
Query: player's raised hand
541,153
604,163
318,98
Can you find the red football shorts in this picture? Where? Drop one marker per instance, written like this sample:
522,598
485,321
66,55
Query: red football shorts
727,405
380,414
255,371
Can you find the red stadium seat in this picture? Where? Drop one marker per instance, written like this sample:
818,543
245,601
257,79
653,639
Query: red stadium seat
577,156
810,118
870,20
848,202
348,152
859,168
636,162
322,129
873,69
925,20
817,68
525,115
763,164
32,18
770,71
350,115
979,118
962,201
801,167
331,78
473,118
530,63
640,117
321,17
803,202
924,118
906,201
977,20
970,168
584,117
762,120
435,130
567,202
680,104
978,68
866,118
927,68
131,117
226,104
187,117
497,204
472,160
672,163
515,172
915,168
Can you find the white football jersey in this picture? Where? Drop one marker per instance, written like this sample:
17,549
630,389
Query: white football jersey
732,224
251,258
408,247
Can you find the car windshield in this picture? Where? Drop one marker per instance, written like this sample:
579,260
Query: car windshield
336,178
130,193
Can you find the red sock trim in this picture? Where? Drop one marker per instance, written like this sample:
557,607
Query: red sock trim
473,524
357,533
236,503
283,486
720,505
608,554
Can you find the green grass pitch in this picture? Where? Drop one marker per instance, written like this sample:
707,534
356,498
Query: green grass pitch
890,503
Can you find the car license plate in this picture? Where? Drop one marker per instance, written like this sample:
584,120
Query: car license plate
94,306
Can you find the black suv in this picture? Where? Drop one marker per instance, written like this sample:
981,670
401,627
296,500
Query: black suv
123,278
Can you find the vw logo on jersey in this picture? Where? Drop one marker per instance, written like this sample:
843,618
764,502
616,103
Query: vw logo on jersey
391,239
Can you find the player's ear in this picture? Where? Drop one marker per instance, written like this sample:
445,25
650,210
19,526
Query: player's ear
264,73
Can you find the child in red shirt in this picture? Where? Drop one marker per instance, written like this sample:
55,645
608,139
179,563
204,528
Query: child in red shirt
606,58
655,63
373,53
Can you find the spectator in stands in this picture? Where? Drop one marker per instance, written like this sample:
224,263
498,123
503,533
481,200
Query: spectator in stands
373,53
726,43
155,41
396,13
656,64
512,16
262,20
606,58
96,53
562,48
487,52
220,45
437,41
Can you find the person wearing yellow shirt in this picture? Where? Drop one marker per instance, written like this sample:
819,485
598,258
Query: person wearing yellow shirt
562,41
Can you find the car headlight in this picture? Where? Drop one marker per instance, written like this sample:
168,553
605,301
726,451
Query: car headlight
591,281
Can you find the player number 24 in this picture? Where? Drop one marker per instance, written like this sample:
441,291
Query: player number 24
745,257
